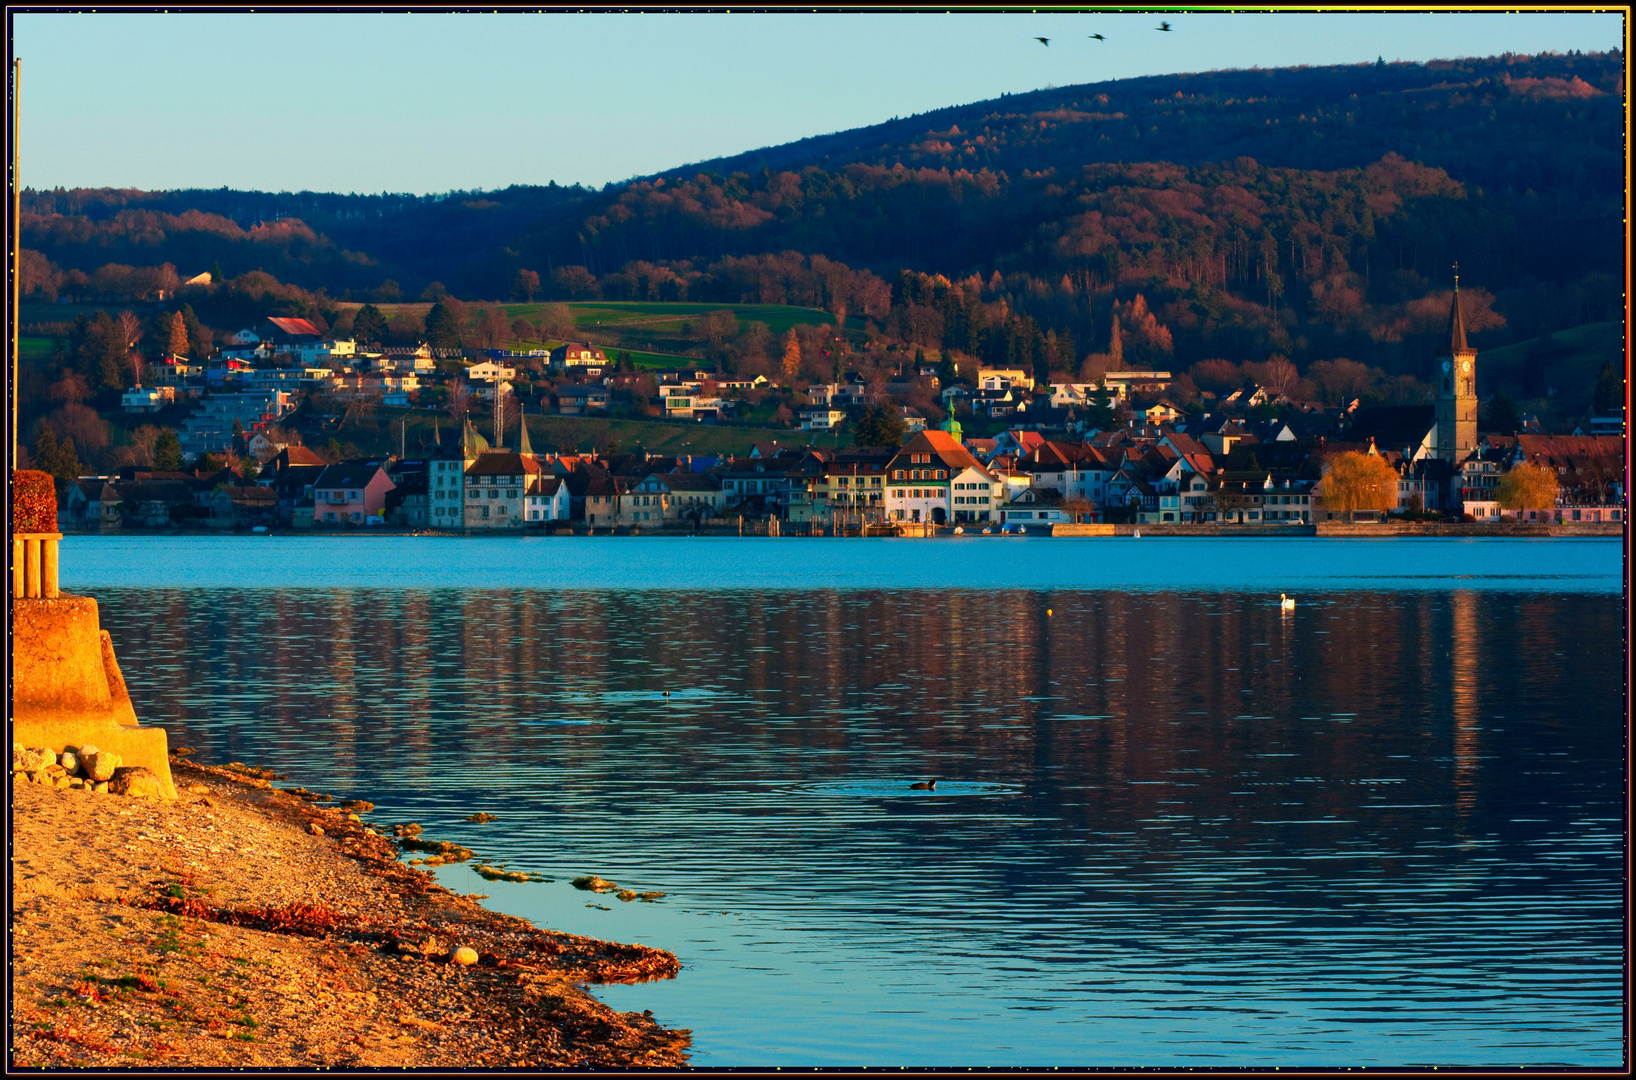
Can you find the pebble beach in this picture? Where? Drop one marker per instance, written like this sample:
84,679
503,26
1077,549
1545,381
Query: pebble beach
247,926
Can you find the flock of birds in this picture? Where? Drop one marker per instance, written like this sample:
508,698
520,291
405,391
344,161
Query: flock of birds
1164,27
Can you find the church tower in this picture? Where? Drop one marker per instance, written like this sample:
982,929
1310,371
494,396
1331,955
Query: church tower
1456,411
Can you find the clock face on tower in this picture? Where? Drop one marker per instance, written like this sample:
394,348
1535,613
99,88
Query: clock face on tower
1445,365
1465,367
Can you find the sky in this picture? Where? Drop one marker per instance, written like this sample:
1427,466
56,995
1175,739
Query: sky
433,102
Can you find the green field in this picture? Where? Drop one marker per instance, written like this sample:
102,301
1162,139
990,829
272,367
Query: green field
33,349
1556,372
378,433
657,335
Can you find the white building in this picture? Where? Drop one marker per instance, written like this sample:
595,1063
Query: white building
546,499
822,419
149,399
488,371
314,353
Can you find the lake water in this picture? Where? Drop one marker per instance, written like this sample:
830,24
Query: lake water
1173,825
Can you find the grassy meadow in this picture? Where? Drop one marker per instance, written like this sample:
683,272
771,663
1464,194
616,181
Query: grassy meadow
1560,368
378,432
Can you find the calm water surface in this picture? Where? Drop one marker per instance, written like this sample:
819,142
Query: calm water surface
1173,825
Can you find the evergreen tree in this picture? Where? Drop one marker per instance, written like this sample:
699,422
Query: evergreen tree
45,450
441,329
58,459
1502,417
215,273
369,325
1610,388
167,451
880,425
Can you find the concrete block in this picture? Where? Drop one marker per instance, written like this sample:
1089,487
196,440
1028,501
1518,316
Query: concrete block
67,689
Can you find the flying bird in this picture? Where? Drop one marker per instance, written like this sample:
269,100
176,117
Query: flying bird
1044,41
1098,37
1163,26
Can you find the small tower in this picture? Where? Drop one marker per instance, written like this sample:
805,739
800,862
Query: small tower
952,426
473,444
523,446
1456,411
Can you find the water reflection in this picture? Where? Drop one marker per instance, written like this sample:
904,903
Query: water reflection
1169,827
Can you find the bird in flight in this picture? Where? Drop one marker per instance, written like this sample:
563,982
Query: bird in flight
1163,26
1099,37
1044,41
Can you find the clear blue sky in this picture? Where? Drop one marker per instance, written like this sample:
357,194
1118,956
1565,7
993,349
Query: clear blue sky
434,102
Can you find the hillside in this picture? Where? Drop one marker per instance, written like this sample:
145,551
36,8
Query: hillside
1211,223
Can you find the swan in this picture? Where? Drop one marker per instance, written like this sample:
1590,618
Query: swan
1285,603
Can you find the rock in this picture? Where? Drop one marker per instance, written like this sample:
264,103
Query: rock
198,789
101,788
315,829
30,758
411,829
465,956
354,817
136,781
99,765
592,883
70,762
62,782
480,818
361,806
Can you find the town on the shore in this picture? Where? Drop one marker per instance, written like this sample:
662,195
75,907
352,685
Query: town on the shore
1106,452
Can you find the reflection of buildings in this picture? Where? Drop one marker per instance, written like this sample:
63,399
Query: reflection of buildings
1464,685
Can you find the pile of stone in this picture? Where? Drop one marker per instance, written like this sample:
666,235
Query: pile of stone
83,768
593,883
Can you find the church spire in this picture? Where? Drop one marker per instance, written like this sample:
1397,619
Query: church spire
1457,322
522,434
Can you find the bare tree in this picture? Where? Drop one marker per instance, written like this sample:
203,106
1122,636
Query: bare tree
459,399
130,328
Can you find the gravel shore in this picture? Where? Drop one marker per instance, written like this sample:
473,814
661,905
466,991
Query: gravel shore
247,927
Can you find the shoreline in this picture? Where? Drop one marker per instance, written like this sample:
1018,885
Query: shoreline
1208,531
248,926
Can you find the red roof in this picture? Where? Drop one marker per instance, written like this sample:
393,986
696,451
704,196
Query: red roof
294,327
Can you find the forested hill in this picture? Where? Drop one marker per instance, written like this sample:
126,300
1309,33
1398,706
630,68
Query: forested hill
1312,212
1504,123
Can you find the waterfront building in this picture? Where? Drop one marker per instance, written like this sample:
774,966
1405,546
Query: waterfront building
920,479
495,487
1034,506
351,493
547,499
